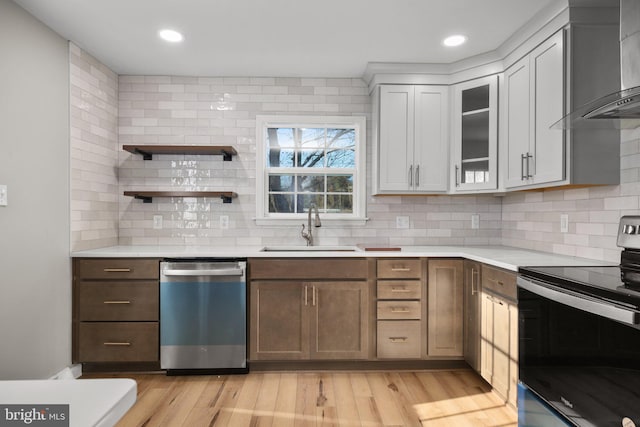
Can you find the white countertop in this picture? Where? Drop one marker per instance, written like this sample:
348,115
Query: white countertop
500,256
92,402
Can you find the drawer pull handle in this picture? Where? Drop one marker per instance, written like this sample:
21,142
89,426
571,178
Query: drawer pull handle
400,269
117,302
399,310
398,339
500,283
117,270
117,344
400,290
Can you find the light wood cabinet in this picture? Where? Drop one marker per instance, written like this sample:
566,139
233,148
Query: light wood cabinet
411,151
472,307
499,332
400,308
474,142
297,315
445,316
279,320
339,322
115,310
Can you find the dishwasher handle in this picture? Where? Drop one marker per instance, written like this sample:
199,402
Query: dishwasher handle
212,272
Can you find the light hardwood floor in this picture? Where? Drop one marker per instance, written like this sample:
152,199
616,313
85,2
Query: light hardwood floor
423,398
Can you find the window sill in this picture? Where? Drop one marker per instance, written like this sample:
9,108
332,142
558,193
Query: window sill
326,222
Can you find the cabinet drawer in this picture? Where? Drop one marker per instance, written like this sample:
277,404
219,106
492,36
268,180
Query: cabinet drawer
118,268
399,339
399,268
499,281
118,342
399,289
315,268
118,301
398,310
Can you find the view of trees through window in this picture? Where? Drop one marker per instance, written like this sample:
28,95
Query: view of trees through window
310,165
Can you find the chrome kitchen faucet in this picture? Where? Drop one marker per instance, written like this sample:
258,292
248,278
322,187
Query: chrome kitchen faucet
308,235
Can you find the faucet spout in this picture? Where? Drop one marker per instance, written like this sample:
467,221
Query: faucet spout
308,235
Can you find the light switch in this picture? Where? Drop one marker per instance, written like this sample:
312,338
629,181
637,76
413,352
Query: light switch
3,195
224,221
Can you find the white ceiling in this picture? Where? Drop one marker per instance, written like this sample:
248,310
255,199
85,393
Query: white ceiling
319,38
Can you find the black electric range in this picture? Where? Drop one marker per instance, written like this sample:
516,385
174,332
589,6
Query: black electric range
579,338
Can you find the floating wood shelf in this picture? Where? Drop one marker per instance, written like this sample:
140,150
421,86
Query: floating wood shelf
147,151
147,196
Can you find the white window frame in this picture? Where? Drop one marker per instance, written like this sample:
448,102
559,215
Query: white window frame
358,123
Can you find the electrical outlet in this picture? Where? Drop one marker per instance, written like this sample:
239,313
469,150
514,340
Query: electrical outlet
564,223
402,222
224,221
157,222
3,195
475,221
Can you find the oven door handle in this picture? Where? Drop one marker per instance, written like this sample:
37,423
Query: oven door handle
581,302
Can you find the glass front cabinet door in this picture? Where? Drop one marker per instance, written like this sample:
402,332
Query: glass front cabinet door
475,135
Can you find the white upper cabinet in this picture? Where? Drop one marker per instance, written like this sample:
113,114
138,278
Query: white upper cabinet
474,143
573,66
411,151
533,101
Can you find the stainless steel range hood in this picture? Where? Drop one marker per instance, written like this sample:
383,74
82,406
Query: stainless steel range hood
619,110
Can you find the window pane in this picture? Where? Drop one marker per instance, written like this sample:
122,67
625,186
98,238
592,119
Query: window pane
280,137
281,183
341,159
312,138
281,203
311,183
341,138
340,183
311,159
338,203
277,158
305,200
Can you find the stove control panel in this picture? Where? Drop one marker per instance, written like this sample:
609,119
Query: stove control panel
629,232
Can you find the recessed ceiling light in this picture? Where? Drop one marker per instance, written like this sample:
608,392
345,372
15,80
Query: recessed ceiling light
456,40
170,36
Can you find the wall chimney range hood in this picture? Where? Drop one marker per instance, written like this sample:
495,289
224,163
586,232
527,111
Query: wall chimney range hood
618,110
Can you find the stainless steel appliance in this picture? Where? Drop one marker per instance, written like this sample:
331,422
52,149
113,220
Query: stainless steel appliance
203,316
620,109
579,338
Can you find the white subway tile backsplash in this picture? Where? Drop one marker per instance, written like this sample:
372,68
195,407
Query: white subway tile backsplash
108,111
93,123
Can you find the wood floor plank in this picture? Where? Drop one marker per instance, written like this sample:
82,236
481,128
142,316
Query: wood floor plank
385,403
340,399
285,411
346,408
326,413
403,397
242,412
307,396
365,403
266,401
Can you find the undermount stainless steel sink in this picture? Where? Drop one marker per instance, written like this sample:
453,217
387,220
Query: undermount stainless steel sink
309,249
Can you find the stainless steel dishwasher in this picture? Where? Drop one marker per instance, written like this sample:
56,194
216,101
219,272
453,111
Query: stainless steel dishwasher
203,316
